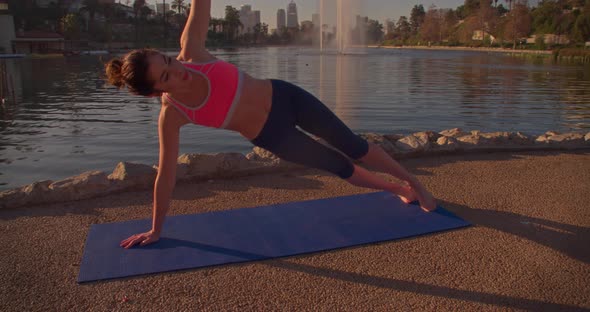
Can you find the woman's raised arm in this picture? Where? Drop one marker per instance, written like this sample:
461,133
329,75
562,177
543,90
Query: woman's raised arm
194,35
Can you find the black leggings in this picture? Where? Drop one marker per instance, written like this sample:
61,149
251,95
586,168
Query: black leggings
292,106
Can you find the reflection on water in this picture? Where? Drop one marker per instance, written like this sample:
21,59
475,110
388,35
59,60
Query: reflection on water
66,121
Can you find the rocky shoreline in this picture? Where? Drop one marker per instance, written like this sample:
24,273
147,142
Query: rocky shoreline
202,167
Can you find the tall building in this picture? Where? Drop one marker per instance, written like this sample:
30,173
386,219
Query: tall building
245,11
361,21
161,8
248,18
292,20
256,17
7,35
315,19
307,25
281,19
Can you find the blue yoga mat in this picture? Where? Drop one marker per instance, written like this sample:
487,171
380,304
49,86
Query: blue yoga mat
247,234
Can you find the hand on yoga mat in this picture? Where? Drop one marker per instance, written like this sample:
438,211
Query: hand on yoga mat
142,239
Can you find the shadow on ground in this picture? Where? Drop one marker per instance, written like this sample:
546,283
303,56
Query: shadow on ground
381,282
570,240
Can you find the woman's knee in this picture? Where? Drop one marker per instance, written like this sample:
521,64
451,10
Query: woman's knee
371,148
359,149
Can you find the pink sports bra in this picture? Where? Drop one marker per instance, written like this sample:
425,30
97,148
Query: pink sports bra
225,87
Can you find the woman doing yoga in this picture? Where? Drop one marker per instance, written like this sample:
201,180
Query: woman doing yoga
195,87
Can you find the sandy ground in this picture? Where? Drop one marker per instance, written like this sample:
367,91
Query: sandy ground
529,248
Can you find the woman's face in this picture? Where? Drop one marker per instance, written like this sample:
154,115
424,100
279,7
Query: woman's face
168,73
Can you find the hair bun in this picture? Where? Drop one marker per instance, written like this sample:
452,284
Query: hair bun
114,74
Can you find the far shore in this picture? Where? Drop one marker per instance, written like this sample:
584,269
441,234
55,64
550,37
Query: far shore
499,50
213,48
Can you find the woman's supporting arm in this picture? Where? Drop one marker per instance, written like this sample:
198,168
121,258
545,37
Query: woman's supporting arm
165,181
166,178
194,35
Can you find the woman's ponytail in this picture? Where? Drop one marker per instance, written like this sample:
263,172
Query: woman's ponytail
114,72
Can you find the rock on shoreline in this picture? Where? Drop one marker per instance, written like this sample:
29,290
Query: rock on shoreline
201,167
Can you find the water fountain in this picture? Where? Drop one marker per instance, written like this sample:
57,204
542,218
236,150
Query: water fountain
337,23
348,26
341,38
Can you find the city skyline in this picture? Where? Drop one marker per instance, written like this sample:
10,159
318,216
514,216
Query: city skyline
379,10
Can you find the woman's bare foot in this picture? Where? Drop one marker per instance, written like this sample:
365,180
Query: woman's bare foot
427,201
407,194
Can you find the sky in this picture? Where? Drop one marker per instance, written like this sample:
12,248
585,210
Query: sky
380,10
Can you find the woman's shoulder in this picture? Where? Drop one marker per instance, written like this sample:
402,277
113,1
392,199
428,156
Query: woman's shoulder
201,57
170,116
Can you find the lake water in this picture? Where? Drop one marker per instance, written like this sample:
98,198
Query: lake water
66,120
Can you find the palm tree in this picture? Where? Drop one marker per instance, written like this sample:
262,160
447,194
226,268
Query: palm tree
165,24
178,5
232,20
109,11
90,6
215,23
137,9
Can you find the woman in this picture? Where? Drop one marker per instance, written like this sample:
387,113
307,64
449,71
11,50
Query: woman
198,88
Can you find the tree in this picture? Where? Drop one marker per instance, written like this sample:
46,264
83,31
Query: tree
450,21
390,28
581,29
461,14
215,24
260,32
264,30
374,31
70,26
471,7
564,23
233,23
53,13
417,18
438,24
486,19
215,34
138,5
519,22
285,35
179,6
91,7
544,17
390,25
403,28
501,10
144,12
108,11
431,29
